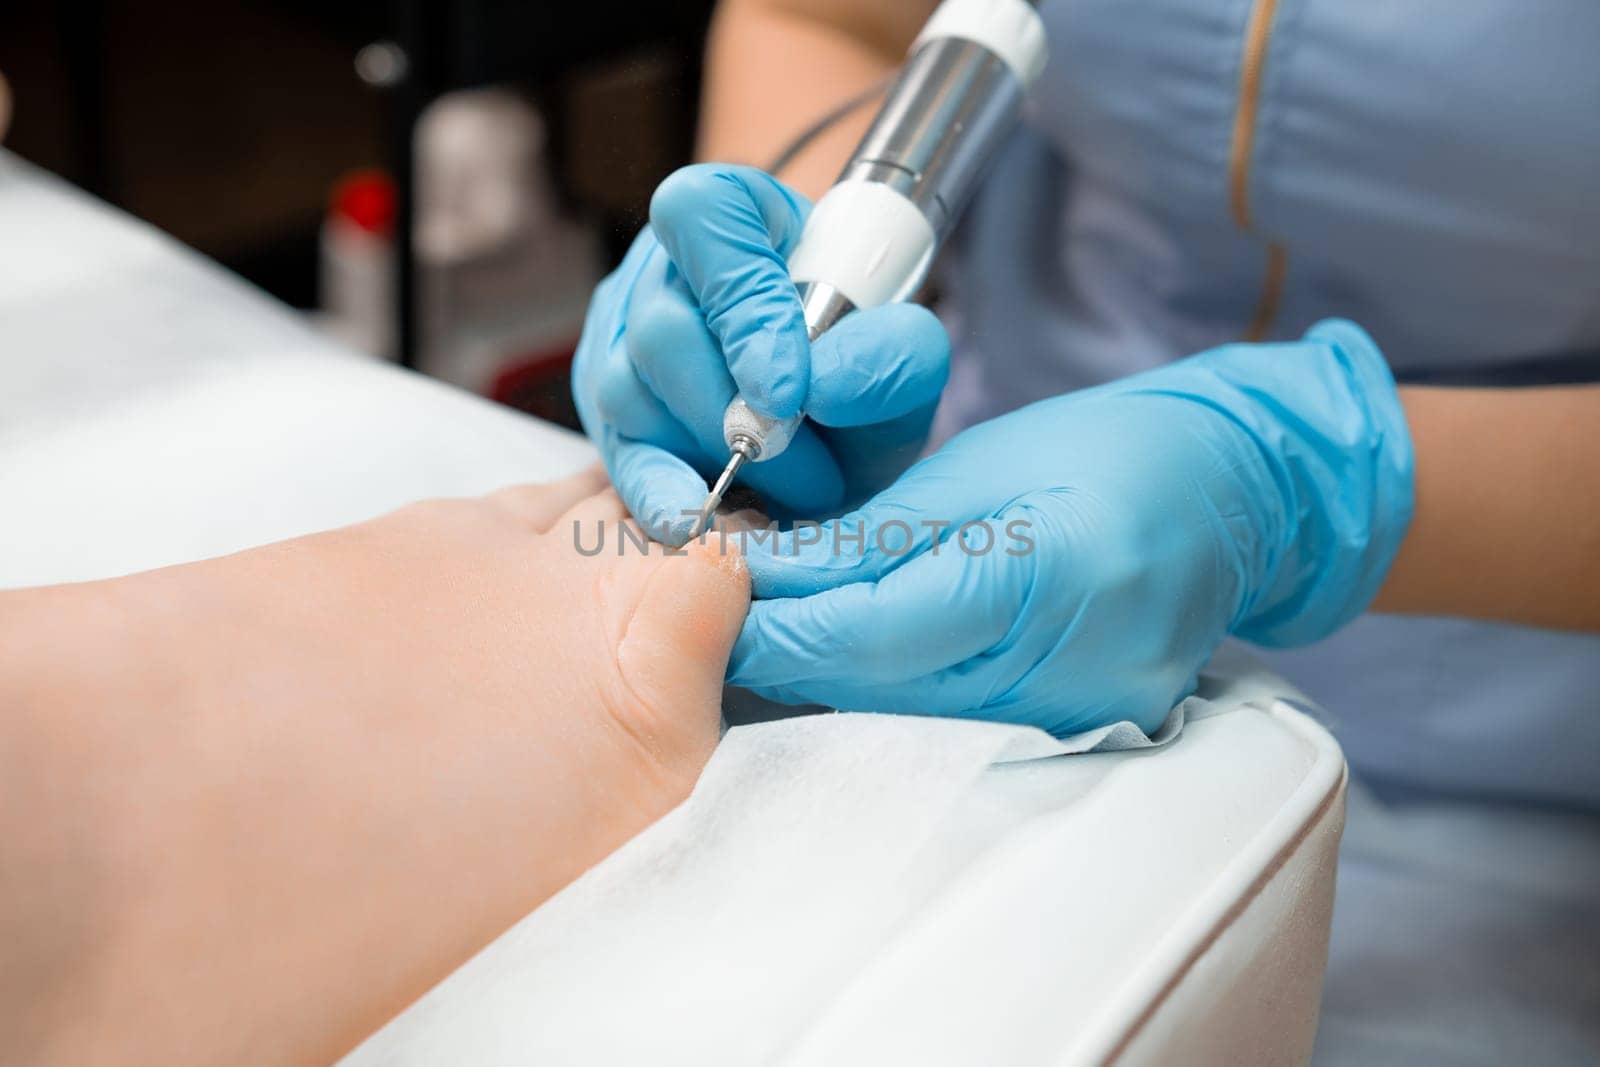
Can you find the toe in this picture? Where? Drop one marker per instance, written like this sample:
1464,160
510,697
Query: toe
685,613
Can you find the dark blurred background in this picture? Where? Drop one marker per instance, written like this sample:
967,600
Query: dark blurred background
230,123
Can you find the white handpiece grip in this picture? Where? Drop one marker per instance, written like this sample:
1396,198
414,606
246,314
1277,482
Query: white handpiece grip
1011,29
865,240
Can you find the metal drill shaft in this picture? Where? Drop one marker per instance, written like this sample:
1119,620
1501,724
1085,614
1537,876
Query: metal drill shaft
708,510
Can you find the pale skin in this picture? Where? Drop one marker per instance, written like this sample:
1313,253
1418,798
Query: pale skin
1507,522
254,806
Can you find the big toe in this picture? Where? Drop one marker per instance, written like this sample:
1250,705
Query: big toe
675,648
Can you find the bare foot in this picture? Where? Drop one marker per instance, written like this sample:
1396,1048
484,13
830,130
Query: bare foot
306,781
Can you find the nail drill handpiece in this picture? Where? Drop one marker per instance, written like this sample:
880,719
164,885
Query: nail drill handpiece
873,235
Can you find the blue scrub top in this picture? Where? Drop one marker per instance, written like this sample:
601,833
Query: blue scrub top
1194,172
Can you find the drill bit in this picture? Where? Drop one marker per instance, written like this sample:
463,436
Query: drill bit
708,510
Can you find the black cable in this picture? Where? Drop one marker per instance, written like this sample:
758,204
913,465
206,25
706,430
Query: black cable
822,125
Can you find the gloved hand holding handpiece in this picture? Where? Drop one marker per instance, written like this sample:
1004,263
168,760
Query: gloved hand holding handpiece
702,309
700,344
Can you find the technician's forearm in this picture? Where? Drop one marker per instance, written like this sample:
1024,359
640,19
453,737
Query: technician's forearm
774,66
1507,522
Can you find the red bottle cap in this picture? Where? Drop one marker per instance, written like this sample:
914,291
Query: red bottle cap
368,199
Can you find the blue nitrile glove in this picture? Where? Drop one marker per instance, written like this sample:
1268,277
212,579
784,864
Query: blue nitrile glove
1258,490
701,305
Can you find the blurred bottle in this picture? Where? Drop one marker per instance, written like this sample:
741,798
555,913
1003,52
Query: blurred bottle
503,278
356,285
